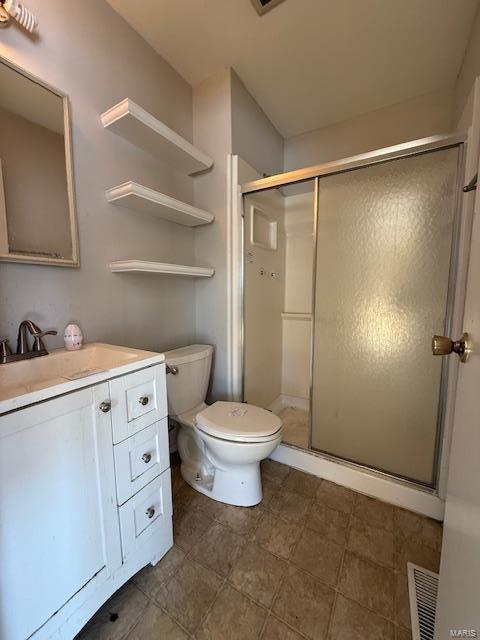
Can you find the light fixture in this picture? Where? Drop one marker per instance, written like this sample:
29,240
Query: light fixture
14,9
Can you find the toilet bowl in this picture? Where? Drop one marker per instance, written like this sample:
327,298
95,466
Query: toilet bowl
221,445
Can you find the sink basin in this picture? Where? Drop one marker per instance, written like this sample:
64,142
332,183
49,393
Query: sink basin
71,369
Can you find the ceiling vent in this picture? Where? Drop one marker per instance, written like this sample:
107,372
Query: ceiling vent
262,6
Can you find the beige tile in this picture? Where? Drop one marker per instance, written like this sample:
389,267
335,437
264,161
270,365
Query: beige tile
176,477
155,624
188,526
232,617
240,519
305,603
150,579
408,524
402,634
291,506
269,490
318,556
277,630
328,522
353,622
419,528
257,573
218,548
375,512
274,471
432,532
203,502
175,460
402,602
368,584
117,616
303,483
189,594
334,496
408,550
371,542
182,495
277,535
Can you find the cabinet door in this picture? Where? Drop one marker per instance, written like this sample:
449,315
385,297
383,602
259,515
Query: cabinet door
58,521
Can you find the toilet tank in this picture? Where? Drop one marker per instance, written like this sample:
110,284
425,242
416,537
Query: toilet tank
187,389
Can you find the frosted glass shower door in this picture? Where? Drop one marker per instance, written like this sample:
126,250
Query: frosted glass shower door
384,243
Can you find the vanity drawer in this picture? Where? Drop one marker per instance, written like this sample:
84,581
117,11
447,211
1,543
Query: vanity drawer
140,458
141,399
148,512
138,400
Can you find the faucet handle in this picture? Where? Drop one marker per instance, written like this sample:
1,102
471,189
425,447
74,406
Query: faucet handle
4,350
37,339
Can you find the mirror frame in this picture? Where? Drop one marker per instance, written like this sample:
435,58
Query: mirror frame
74,261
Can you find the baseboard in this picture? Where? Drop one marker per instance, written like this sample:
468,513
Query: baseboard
284,400
396,492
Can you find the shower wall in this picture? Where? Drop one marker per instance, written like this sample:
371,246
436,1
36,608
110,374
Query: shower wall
278,300
263,302
297,315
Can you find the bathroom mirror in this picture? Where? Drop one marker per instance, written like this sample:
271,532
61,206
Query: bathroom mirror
37,211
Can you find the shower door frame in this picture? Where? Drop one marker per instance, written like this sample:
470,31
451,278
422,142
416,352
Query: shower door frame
455,296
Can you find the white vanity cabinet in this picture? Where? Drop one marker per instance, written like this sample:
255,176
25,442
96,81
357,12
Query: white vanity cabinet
85,501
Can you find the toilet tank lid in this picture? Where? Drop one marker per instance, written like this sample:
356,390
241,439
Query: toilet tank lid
238,419
188,354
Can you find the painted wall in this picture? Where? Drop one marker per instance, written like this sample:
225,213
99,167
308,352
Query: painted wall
469,71
254,138
212,132
86,50
418,118
226,120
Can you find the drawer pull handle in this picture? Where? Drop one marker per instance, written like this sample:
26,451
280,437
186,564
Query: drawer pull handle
144,401
150,512
147,457
105,406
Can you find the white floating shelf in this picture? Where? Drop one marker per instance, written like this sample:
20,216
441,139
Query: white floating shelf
141,266
132,122
293,315
135,196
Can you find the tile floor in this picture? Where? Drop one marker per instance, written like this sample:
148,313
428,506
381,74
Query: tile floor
296,426
312,561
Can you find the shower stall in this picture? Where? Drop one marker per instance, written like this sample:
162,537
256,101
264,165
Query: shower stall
349,269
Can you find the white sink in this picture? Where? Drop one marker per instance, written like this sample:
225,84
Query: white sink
60,371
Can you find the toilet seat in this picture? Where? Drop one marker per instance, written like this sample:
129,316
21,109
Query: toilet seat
238,422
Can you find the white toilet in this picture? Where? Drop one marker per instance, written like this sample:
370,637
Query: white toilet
221,445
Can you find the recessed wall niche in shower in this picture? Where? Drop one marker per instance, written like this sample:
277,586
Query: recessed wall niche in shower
278,304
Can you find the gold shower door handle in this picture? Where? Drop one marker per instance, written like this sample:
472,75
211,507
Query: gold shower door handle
442,346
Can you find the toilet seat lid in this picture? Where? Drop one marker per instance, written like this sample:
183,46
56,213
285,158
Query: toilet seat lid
229,420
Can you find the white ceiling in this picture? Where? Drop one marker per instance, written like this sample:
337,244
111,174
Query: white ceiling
310,63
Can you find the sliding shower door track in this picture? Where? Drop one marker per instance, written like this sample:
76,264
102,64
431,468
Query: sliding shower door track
378,473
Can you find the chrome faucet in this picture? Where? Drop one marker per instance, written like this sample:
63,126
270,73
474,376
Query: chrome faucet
23,349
